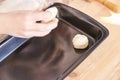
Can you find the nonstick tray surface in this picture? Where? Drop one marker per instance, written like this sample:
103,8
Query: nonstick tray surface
53,57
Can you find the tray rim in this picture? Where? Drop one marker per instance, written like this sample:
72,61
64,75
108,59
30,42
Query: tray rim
104,30
103,37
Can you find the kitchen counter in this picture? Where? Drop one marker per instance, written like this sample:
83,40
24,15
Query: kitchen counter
104,62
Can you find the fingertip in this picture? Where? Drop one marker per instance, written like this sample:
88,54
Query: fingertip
55,19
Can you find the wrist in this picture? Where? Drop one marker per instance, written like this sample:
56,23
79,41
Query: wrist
3,20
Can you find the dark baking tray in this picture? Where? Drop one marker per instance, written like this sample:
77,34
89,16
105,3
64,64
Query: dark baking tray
51,57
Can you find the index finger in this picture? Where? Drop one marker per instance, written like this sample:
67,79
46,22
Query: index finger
45,26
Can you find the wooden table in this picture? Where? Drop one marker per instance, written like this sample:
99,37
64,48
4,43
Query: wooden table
104,62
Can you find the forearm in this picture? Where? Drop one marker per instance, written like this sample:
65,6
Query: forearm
2,19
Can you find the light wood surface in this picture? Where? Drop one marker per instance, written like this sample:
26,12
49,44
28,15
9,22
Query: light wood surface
104,62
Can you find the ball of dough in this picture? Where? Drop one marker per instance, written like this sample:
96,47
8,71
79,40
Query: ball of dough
53,11
80,41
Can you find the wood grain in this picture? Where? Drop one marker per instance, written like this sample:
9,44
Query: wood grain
104,62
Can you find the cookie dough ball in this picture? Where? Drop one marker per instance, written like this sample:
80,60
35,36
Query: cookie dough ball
53,11
80,41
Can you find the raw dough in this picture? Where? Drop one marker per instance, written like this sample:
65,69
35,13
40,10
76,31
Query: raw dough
80,41
53,11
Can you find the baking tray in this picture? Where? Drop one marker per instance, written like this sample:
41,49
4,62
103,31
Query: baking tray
51,57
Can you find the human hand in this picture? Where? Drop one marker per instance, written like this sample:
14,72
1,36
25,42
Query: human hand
23,23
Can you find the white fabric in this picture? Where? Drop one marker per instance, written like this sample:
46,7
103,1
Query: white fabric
12,5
